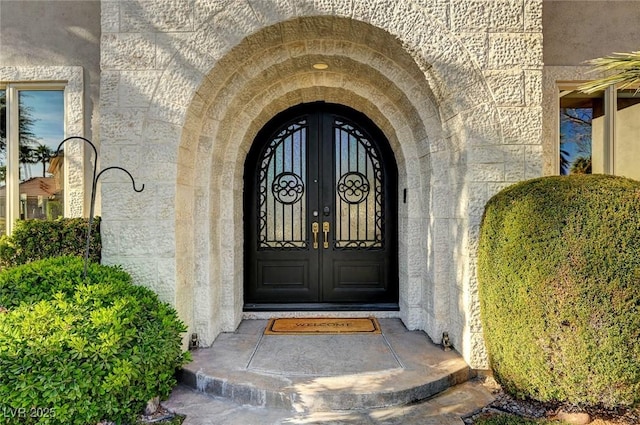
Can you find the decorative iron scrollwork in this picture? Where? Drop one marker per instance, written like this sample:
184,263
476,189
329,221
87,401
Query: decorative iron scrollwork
353,187
281,189
287,188
359,189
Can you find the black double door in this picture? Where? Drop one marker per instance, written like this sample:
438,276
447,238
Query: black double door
320,212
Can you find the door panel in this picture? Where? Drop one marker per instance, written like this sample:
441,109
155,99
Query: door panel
357,274
320,206
283,274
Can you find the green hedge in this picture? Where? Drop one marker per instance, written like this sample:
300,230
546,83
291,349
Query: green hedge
559,279
77,353
37,239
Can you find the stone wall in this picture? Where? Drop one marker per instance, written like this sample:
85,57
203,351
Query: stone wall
186,85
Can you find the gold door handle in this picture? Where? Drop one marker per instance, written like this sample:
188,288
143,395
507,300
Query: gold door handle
315,228
325,229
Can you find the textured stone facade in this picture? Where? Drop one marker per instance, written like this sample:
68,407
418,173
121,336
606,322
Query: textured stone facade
456,86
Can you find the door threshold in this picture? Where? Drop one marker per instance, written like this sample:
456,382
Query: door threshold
324,307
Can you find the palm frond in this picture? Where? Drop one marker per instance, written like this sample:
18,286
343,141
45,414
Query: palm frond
623,70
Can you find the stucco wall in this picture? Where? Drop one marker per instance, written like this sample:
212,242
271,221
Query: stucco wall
38,36
54,33
574,32
579,30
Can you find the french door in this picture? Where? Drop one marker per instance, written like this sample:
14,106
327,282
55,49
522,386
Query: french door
320,211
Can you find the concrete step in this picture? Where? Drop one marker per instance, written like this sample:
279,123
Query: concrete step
447,408
324,373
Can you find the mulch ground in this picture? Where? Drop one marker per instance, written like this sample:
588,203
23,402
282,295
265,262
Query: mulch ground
506,404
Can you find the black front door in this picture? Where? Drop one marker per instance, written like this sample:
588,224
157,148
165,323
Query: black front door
320,211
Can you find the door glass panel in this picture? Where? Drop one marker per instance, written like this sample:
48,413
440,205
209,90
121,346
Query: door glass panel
282,194
358,183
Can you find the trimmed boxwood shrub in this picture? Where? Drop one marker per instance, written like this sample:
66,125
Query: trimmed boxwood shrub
77,353
559,279
37,239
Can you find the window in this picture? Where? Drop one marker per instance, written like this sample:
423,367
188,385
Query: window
38,111
599,132
31,128
52,98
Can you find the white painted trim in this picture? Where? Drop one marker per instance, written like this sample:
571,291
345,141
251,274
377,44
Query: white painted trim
13,166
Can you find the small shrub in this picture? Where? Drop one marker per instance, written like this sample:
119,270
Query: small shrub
55,210
79,353
37,239
42,280
559,279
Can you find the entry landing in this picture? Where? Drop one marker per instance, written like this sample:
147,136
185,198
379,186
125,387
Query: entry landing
321,373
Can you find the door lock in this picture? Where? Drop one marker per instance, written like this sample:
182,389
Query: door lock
325,230
315,228
326,211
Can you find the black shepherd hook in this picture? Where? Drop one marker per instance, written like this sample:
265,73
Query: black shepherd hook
94,183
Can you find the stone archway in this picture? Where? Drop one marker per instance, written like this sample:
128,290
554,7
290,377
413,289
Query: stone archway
282,81
234,66
258,79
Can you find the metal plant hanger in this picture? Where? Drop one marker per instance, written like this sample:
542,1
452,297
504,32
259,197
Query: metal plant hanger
94,183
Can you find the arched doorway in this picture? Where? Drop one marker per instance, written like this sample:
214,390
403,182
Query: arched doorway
320,206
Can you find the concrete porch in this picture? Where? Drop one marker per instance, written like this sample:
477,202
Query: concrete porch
279,379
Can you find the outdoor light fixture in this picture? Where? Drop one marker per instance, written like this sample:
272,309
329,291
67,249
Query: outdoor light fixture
193,343
320,66
446,342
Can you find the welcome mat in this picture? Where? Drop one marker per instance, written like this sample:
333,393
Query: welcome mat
316,325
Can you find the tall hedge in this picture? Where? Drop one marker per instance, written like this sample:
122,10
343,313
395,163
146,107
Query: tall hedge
559,279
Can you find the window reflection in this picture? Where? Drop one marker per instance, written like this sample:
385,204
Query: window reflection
581,133
40,131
